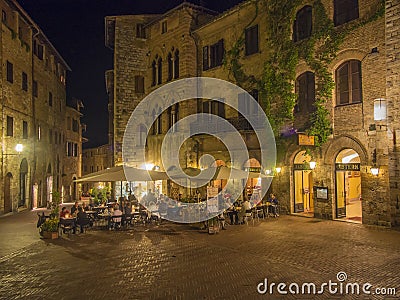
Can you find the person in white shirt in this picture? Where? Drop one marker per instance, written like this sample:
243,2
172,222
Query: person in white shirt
116,212
245,207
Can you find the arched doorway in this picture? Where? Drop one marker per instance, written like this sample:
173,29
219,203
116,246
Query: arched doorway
23,182
303,185
7,193
348,186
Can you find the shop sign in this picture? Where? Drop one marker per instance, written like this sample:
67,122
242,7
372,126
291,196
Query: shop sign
306,140
301,166
254,169
347,167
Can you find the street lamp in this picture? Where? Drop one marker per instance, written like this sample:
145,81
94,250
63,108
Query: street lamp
19,148
374,170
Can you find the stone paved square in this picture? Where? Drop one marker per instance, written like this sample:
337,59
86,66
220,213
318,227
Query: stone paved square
174,261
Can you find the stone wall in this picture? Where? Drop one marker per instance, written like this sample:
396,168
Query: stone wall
393,97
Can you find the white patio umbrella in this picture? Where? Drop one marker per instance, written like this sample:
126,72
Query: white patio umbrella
121,173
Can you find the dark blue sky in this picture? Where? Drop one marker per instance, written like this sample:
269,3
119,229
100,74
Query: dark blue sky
76,29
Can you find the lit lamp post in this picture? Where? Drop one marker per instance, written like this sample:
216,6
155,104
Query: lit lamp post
19,148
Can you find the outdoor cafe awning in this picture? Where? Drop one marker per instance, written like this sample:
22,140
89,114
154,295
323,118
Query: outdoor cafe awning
121,173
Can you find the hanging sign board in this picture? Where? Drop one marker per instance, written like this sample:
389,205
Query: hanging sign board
305,140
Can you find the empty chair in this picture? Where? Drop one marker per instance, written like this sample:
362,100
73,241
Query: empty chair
84,223
248,216
67,225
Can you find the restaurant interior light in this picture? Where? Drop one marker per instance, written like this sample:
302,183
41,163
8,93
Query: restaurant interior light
278,169
149,167
268,172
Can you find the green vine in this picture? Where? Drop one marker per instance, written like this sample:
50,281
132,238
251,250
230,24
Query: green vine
276,85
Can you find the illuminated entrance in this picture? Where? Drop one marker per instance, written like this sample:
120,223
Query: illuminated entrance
348,186
253,185
303,185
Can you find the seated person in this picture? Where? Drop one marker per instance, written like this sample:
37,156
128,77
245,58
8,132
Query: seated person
84,207
245,208
127,208
64,212
233,215
116,212
82,218
273,204
221,219
74,209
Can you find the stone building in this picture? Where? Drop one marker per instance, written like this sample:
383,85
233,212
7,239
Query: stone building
347,169
94,160
72,167
33,114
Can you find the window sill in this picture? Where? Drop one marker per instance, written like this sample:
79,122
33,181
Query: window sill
252,54
213,68
347,104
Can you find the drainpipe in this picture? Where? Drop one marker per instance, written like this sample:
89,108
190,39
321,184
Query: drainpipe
35,33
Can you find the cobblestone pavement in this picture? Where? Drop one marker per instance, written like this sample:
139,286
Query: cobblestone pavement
174,261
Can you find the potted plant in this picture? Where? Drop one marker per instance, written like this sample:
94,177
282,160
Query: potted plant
49,229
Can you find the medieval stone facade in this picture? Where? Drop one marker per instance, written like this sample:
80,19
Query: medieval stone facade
334,181
33,115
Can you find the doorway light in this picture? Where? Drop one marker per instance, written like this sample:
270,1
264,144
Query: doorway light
19,148
374,170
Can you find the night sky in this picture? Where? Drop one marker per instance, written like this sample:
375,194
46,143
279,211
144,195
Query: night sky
76,29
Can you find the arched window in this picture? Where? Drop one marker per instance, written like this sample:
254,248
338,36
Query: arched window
348,83
302,26
170,67
159,69
154,73
305,90
155,124
141,139
159,122
345,11
176,64
173,112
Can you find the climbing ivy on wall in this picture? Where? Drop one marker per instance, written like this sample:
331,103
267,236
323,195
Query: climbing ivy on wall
276,85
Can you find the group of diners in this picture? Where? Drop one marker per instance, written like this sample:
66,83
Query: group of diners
241,209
